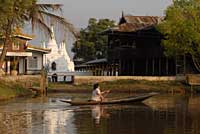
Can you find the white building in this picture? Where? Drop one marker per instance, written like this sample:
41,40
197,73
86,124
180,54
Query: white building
59,65
21,57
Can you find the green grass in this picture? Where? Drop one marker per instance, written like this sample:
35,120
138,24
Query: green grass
11,89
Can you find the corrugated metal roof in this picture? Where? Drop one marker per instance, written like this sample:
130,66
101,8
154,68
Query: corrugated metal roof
131,27
142,19
135,23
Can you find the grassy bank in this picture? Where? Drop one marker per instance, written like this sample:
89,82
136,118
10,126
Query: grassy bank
11,90
11,87
123,86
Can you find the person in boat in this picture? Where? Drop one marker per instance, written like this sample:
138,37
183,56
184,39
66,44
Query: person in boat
97,95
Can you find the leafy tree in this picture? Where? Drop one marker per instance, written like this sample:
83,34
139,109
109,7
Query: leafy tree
91,45
11,15
15,13
181,28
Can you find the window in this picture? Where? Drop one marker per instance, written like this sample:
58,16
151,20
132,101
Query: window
32,62
53,66
15,46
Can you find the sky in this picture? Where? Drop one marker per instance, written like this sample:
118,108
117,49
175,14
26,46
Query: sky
78,12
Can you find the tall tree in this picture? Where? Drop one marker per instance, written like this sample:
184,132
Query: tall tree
15,13
182,29
91,45
11,15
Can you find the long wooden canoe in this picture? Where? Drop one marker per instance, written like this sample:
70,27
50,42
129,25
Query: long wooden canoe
133,99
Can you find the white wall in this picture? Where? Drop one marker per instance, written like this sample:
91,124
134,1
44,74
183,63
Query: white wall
39,63
21,66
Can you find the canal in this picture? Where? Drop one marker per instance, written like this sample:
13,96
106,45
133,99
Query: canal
162,114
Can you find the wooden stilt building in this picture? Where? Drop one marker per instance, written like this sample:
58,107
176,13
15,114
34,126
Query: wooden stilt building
134,49
135,46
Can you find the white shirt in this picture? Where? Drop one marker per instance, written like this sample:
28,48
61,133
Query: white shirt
96,95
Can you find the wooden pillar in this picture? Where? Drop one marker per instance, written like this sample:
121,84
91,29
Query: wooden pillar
129,67
133,62
113,69
114,73
97,70
120,68
147,66
123,70
159,66
93,70
167,66
102,69
153,66
107,70
110,71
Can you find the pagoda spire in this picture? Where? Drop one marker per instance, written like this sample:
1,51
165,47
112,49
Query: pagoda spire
52,32
122,14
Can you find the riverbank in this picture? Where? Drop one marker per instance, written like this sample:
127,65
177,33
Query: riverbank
16,86
136,86
11,87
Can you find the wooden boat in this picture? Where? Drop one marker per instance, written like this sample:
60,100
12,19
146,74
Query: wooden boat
133,99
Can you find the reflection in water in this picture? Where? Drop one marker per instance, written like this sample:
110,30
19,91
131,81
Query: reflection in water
20,118
96,113
99,111
59,122
159,115
15,123
177,114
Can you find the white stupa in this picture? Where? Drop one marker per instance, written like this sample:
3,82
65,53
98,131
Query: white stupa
58,60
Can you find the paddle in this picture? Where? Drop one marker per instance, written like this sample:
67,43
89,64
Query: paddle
104,94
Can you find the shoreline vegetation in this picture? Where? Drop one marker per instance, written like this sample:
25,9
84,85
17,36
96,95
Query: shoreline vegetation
12,90
123,86
11,87
16,86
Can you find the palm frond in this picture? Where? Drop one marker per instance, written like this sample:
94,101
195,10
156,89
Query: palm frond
53,7
42,16
60,20
42,26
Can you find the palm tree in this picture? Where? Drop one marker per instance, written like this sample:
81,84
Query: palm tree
37,14
41,13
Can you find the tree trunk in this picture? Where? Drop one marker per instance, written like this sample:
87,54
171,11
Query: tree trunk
7,41
4,51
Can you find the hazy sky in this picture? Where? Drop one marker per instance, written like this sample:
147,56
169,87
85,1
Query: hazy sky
79,11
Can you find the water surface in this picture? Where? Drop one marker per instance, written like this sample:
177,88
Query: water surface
163,114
